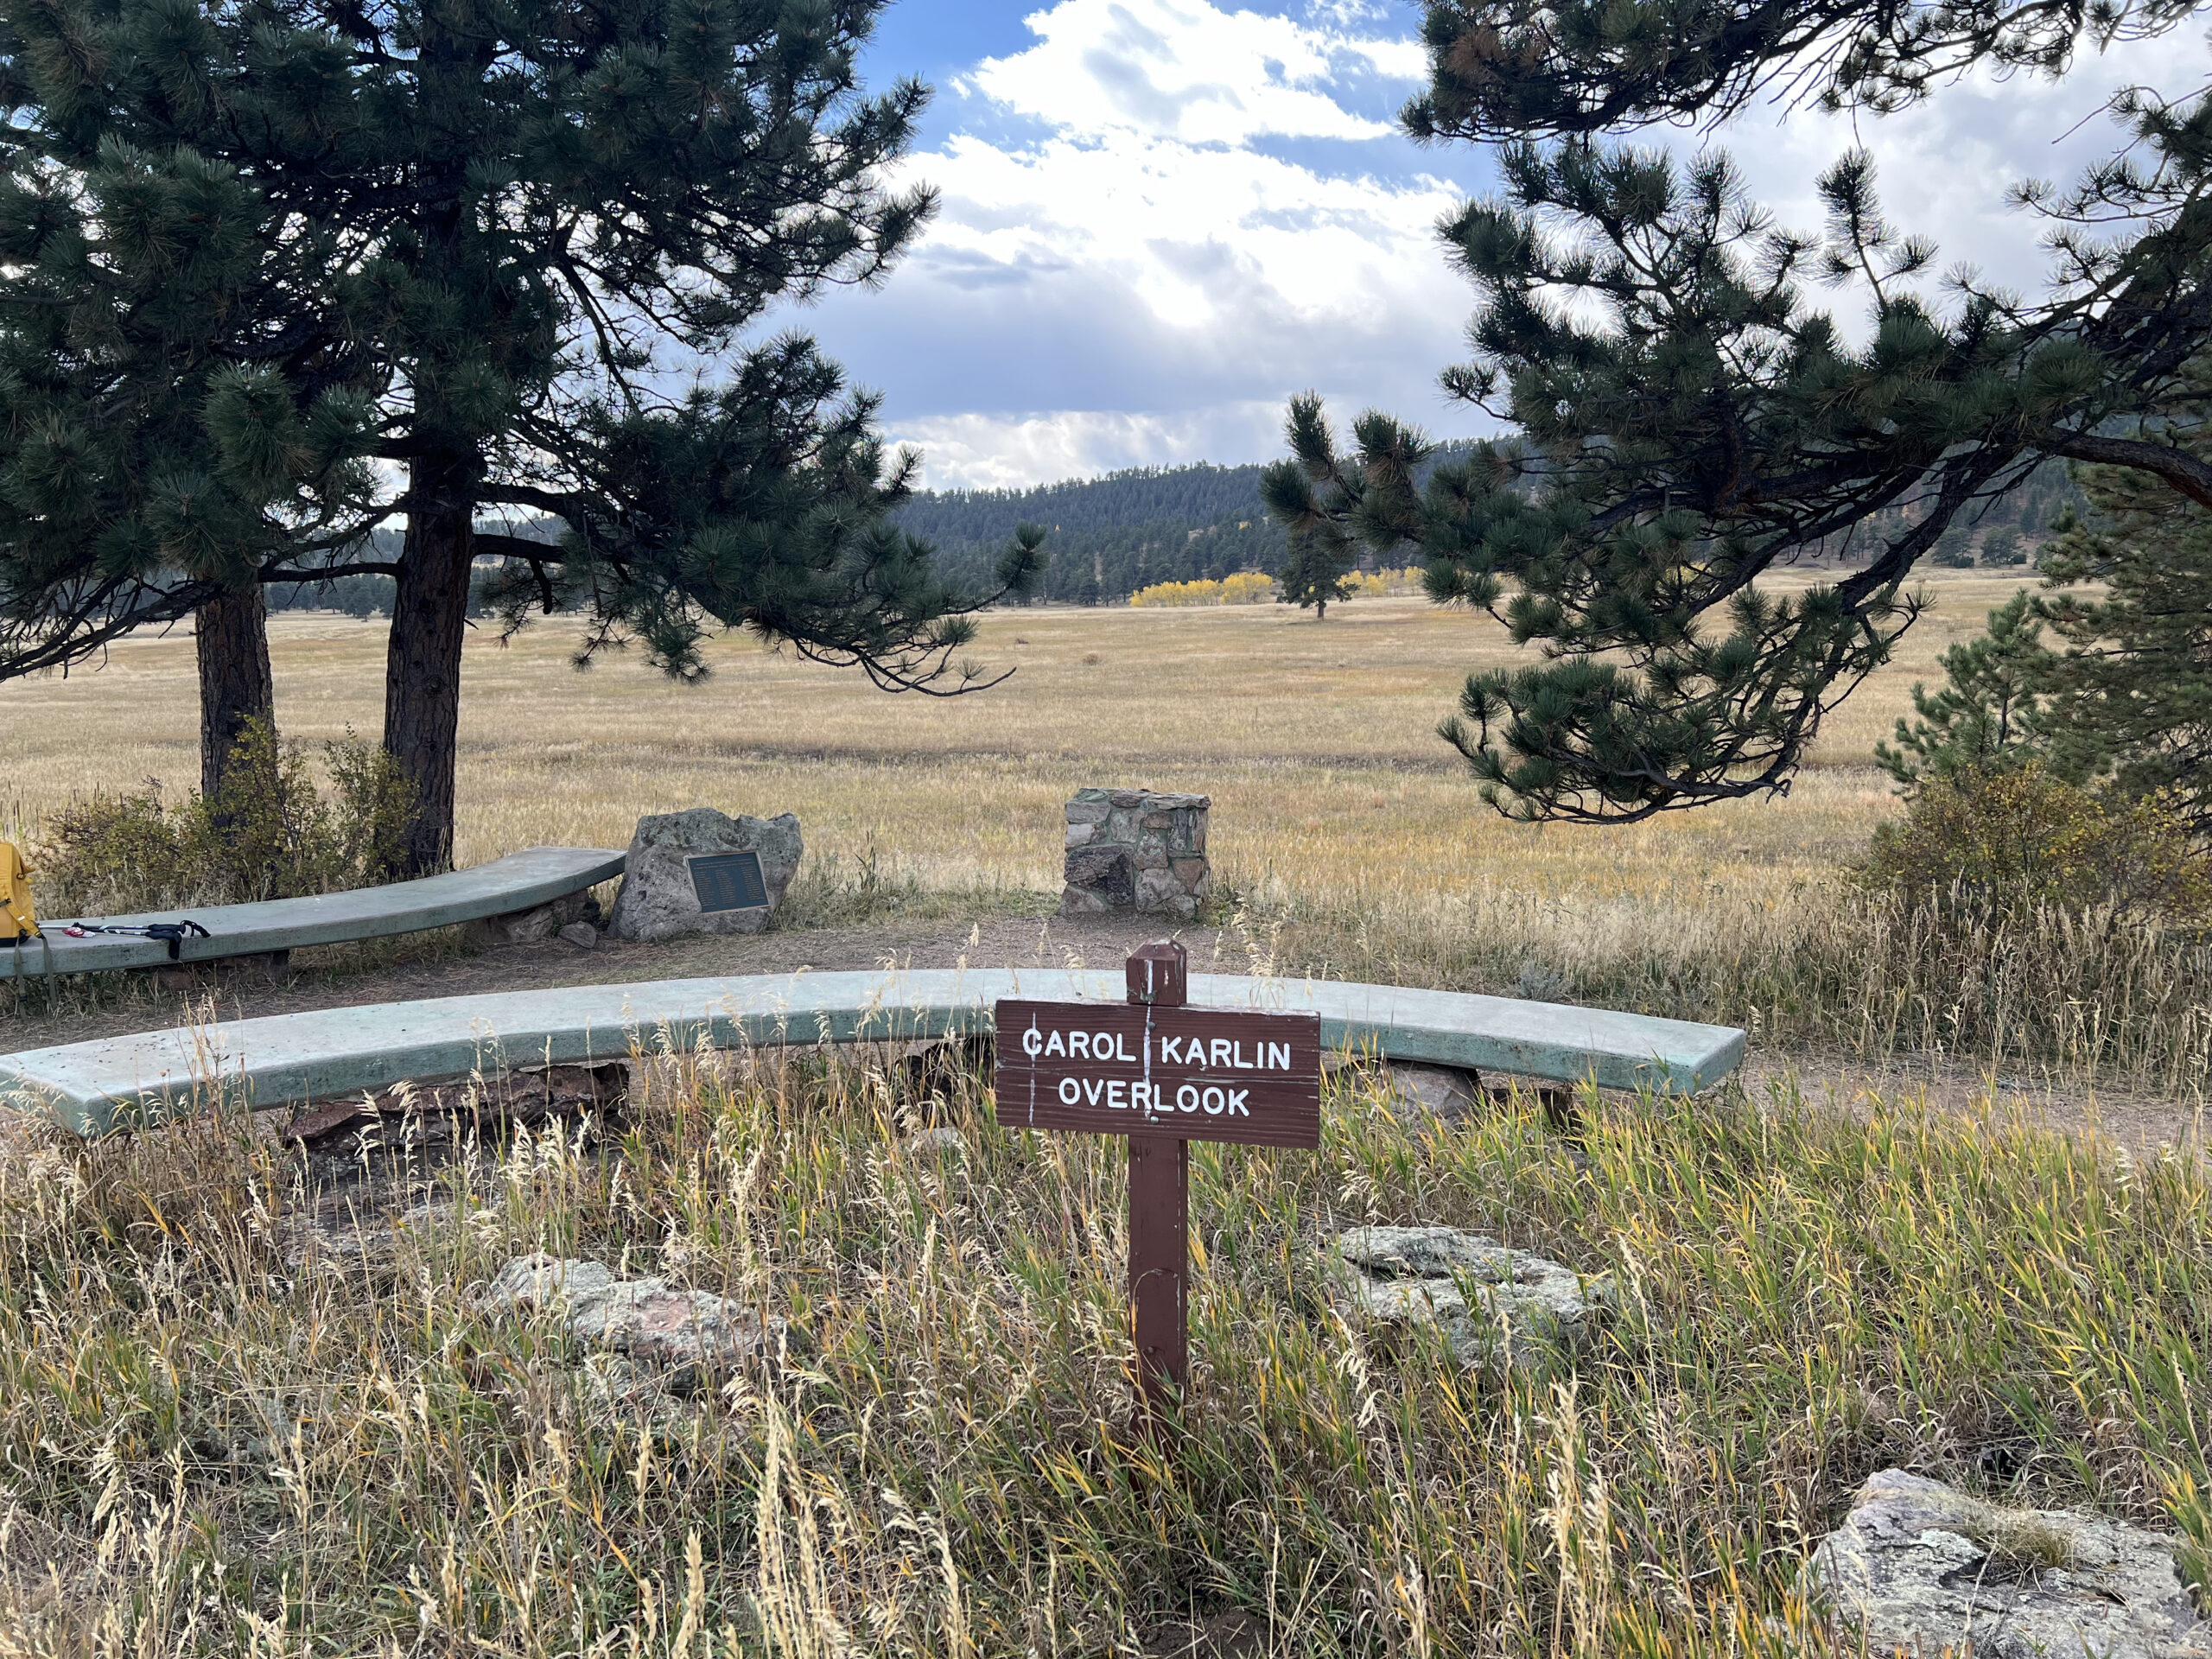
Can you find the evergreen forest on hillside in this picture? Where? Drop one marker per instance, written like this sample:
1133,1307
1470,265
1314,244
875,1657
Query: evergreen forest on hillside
1110,536
1113,535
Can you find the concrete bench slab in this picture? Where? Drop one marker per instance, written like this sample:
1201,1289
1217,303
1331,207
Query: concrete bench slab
293,1059
519,881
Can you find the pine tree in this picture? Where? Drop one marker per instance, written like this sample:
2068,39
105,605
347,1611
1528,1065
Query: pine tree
1330,508
459,254
1989,712
2124,703
1954,549
2001,548
1690,420
149,471
2132,685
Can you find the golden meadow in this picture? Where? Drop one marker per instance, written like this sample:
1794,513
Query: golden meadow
216,1441
1345,831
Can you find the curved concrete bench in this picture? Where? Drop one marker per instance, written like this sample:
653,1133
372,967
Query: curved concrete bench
517,882
293,1059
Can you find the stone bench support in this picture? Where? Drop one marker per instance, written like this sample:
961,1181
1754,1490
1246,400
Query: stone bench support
1134,849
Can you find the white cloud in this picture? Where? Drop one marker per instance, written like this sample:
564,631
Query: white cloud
1154,301
1165,216
1013,451
1143,274
1187,70
1945,165
1206,240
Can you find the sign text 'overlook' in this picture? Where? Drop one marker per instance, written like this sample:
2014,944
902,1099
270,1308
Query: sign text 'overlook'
1199,1074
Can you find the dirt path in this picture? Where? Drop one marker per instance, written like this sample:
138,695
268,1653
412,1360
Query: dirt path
1843,1080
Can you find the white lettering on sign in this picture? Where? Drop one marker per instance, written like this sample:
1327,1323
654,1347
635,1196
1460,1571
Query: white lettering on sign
1221,1053
1224,1054
1140,1071
1140,1095
1080,1045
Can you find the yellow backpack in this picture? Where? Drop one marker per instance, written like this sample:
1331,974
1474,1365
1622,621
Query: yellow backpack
18,920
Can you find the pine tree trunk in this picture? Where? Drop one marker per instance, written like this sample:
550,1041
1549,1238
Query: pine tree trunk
230,640
421,684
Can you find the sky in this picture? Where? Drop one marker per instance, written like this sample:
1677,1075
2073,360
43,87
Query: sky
1162,218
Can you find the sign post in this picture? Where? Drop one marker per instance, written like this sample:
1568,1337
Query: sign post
1164,1074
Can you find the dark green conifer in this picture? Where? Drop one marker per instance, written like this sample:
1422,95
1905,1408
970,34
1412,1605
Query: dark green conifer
2130,689
452,261
1331,506
1988,713
1692,420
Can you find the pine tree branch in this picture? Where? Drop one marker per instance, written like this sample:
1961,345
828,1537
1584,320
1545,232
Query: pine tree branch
2178,467
327,573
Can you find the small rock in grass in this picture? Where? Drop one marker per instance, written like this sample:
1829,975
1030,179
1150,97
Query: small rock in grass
682,1335
582,935
1444,1092
541,1283
1489,1302
1919,1567
938,1142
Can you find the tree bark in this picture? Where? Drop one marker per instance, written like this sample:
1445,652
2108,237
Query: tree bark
230,640
421,685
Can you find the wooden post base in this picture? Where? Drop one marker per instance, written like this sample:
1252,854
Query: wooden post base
1160,1229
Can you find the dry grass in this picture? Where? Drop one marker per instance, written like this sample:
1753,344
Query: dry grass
1316,741
205,1450
1347,835
208,1452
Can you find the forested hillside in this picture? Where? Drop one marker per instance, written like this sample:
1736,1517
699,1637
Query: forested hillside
1110,535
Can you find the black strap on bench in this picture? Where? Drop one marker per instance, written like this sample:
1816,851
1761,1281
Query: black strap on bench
175,933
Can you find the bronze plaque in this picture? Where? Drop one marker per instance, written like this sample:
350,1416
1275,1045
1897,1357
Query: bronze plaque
729,881
1198,1074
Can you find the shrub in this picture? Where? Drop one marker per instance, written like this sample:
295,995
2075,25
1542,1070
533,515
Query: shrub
1257,588
2001,838
268,833
1244,587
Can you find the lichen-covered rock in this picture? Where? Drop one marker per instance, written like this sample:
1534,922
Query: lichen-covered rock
1920,1566
1489,1302
1136,849
684,1336
659,900
548,1283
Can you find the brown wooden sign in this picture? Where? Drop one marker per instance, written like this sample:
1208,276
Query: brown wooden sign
1198,1074
1164,1075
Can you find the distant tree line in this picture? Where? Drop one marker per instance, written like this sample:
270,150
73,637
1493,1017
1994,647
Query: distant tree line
361,595
1113,535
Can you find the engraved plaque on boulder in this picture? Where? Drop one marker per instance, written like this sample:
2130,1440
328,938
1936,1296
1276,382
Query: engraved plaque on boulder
729,881
701,872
